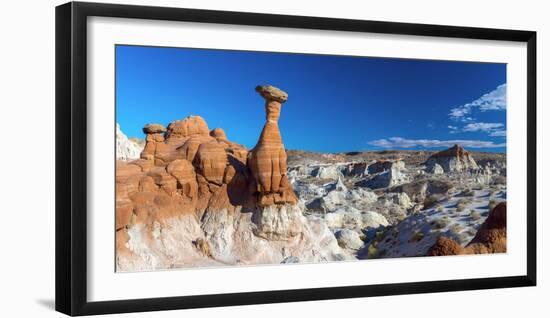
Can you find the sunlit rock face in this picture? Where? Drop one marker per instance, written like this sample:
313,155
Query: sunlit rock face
453,159
387,173
194,198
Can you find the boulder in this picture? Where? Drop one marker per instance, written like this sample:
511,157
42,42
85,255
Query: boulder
187,127
327,172
392,176
444,246
401,199
330,202
154,129
348,239
352,218
435,169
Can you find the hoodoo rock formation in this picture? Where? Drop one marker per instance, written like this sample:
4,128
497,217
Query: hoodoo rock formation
197,199
453,159
154,137
267,160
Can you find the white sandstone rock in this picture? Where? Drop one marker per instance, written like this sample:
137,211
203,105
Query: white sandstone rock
393,176
401,199
435,169
126,149
276,234
352,218
327,172
348,239
278,222
454,159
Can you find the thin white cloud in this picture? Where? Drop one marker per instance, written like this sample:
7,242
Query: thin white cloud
492,129
486,127
498,133
494,100
398,142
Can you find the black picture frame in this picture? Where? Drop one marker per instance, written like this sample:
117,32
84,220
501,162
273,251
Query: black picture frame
71,157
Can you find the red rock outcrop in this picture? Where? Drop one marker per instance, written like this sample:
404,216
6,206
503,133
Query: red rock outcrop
455,151
211,161
490,238
445,246
188,170
188,127
267,161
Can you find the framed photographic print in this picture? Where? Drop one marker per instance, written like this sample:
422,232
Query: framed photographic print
209,158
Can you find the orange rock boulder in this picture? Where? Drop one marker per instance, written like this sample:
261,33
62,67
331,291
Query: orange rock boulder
490,238
445,246
190,126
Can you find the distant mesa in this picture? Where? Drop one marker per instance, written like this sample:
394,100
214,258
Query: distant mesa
454,159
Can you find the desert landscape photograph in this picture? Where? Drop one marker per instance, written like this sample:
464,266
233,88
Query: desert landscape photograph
239,158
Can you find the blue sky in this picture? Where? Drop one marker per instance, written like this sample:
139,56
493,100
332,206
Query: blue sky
336,103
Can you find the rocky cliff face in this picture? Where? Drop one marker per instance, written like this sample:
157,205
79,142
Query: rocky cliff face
126,149
194,198
454,159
